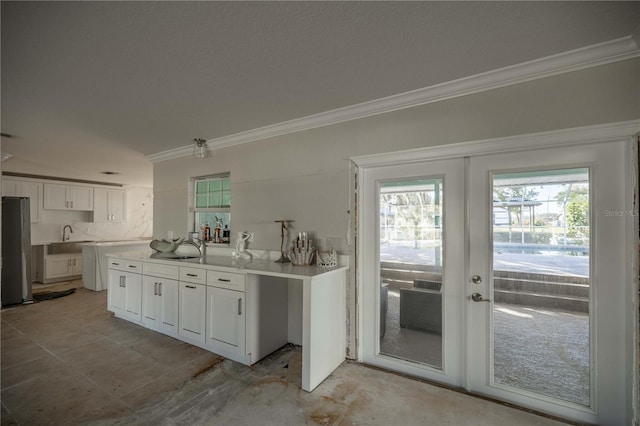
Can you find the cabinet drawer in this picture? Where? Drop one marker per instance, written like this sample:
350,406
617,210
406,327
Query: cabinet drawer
125,265
160,270
226,280
193,275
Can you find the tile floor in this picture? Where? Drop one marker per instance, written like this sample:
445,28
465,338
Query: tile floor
69,361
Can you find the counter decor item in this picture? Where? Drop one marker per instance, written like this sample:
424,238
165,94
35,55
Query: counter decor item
302,251
283,226
327,259
166,246
241,246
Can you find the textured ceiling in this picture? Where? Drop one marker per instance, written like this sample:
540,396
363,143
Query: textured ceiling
93,86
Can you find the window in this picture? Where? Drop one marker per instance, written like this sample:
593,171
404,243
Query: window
212,203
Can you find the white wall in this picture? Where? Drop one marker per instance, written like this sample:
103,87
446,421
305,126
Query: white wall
305,176
138,224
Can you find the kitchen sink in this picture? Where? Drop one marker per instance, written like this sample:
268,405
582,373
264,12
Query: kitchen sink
66,247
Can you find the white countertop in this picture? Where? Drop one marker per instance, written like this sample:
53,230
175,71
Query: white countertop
116,243
230,264
95,243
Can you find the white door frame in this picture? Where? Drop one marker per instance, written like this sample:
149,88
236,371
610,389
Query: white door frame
451,171
622,131
607,277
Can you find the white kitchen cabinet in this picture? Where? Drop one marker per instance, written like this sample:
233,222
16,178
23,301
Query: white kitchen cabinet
133,296
24,188
108,205
192,309
116,292
62,266
125,289
245,312
226,319
68,197
160,304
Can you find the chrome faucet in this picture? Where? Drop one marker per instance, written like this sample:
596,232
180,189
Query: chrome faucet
64,231
202,247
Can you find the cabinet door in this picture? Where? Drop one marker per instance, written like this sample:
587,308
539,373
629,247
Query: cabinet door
108,205
116,292
150,302
10,187
33,190
76,265
55,196
169,306
116,205
226,317
57,267
100,205
192,311
80,197
133,296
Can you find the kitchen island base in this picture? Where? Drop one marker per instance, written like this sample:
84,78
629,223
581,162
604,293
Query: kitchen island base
243,311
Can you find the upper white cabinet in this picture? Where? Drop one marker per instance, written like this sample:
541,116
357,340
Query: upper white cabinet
68,197
24,188
108,205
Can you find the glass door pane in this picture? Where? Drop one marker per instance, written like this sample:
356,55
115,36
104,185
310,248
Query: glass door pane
411,270
541,282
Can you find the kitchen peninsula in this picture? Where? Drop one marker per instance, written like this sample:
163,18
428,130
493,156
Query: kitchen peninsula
240,309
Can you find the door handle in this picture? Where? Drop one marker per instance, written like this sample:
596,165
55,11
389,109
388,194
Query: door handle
476,279
477,297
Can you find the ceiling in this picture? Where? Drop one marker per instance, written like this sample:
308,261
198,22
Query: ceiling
89,87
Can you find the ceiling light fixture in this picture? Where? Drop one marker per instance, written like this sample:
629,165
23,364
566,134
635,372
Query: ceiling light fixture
200,150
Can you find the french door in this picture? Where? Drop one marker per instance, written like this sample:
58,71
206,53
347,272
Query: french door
505,275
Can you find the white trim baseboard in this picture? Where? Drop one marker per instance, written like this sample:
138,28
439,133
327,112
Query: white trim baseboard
590,56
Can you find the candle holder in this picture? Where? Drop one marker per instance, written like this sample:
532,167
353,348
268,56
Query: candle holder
283,226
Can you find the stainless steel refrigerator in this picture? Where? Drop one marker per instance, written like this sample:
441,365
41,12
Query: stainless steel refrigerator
16,251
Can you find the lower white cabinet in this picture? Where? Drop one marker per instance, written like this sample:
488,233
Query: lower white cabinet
192,311
125,294
160,304
62,266
203,307
226,319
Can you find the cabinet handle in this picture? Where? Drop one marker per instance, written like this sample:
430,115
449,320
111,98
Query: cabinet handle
123,283
239,306
224,280
159,289
192,275
133,266
155,289
115,264
191,286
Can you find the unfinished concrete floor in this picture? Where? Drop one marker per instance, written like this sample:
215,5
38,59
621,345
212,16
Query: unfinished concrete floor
69,361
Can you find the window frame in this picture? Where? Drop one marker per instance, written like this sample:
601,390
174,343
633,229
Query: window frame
193,194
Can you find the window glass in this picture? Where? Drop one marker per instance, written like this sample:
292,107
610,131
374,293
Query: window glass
212,204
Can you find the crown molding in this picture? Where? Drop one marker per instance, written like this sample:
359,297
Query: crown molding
587,57
554,138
